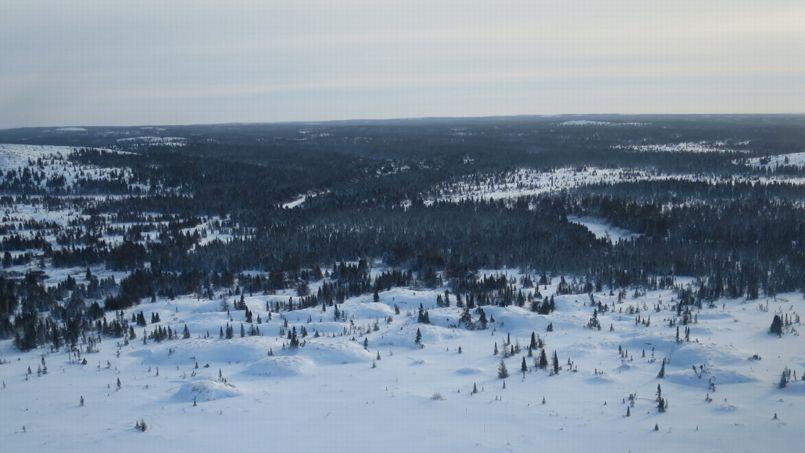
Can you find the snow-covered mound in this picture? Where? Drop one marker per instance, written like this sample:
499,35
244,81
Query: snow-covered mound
203,352
281,366
205,390
403,337
336,353
717,375
365,367
694,354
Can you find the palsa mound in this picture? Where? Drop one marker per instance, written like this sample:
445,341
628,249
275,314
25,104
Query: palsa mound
205,390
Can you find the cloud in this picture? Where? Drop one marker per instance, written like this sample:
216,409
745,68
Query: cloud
84,62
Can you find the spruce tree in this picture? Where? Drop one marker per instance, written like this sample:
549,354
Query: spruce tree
555,363
543,359
503,373
776,326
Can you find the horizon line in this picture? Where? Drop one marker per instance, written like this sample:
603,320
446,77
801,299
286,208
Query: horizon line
412,118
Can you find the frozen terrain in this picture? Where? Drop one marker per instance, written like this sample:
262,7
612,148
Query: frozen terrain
685,147
779,160
148,140
53,163
360,380
599,123
527,181
603,230
332,394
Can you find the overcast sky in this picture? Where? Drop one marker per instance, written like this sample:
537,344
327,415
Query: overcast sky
116,62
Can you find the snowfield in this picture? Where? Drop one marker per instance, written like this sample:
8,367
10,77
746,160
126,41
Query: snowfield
12,155
333,394
52,161
151,140
602,230
791,159
528,181
599,123
684,147
301,199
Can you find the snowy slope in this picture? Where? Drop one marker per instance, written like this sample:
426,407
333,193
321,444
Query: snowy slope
527,181
685,147
53,161
602,230
791,159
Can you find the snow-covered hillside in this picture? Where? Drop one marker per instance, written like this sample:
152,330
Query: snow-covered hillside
528,181
603,230
687,147
52,163
204,393
791,159
150,140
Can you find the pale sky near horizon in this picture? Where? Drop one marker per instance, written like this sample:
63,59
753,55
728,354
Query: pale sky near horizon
98,62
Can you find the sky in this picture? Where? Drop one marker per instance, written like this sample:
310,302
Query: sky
122,62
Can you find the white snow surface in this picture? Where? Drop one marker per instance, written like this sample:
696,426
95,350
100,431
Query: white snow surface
327,396
154,140
684,147
529,181
301,199
603,230
790,159
54,162
296,202
13,155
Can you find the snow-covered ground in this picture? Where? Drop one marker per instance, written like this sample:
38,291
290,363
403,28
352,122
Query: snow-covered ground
52,214
328,395
53,161
149,140
685,147
13,155
599,123
791,159
527,181
296,202
301,199
603,230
